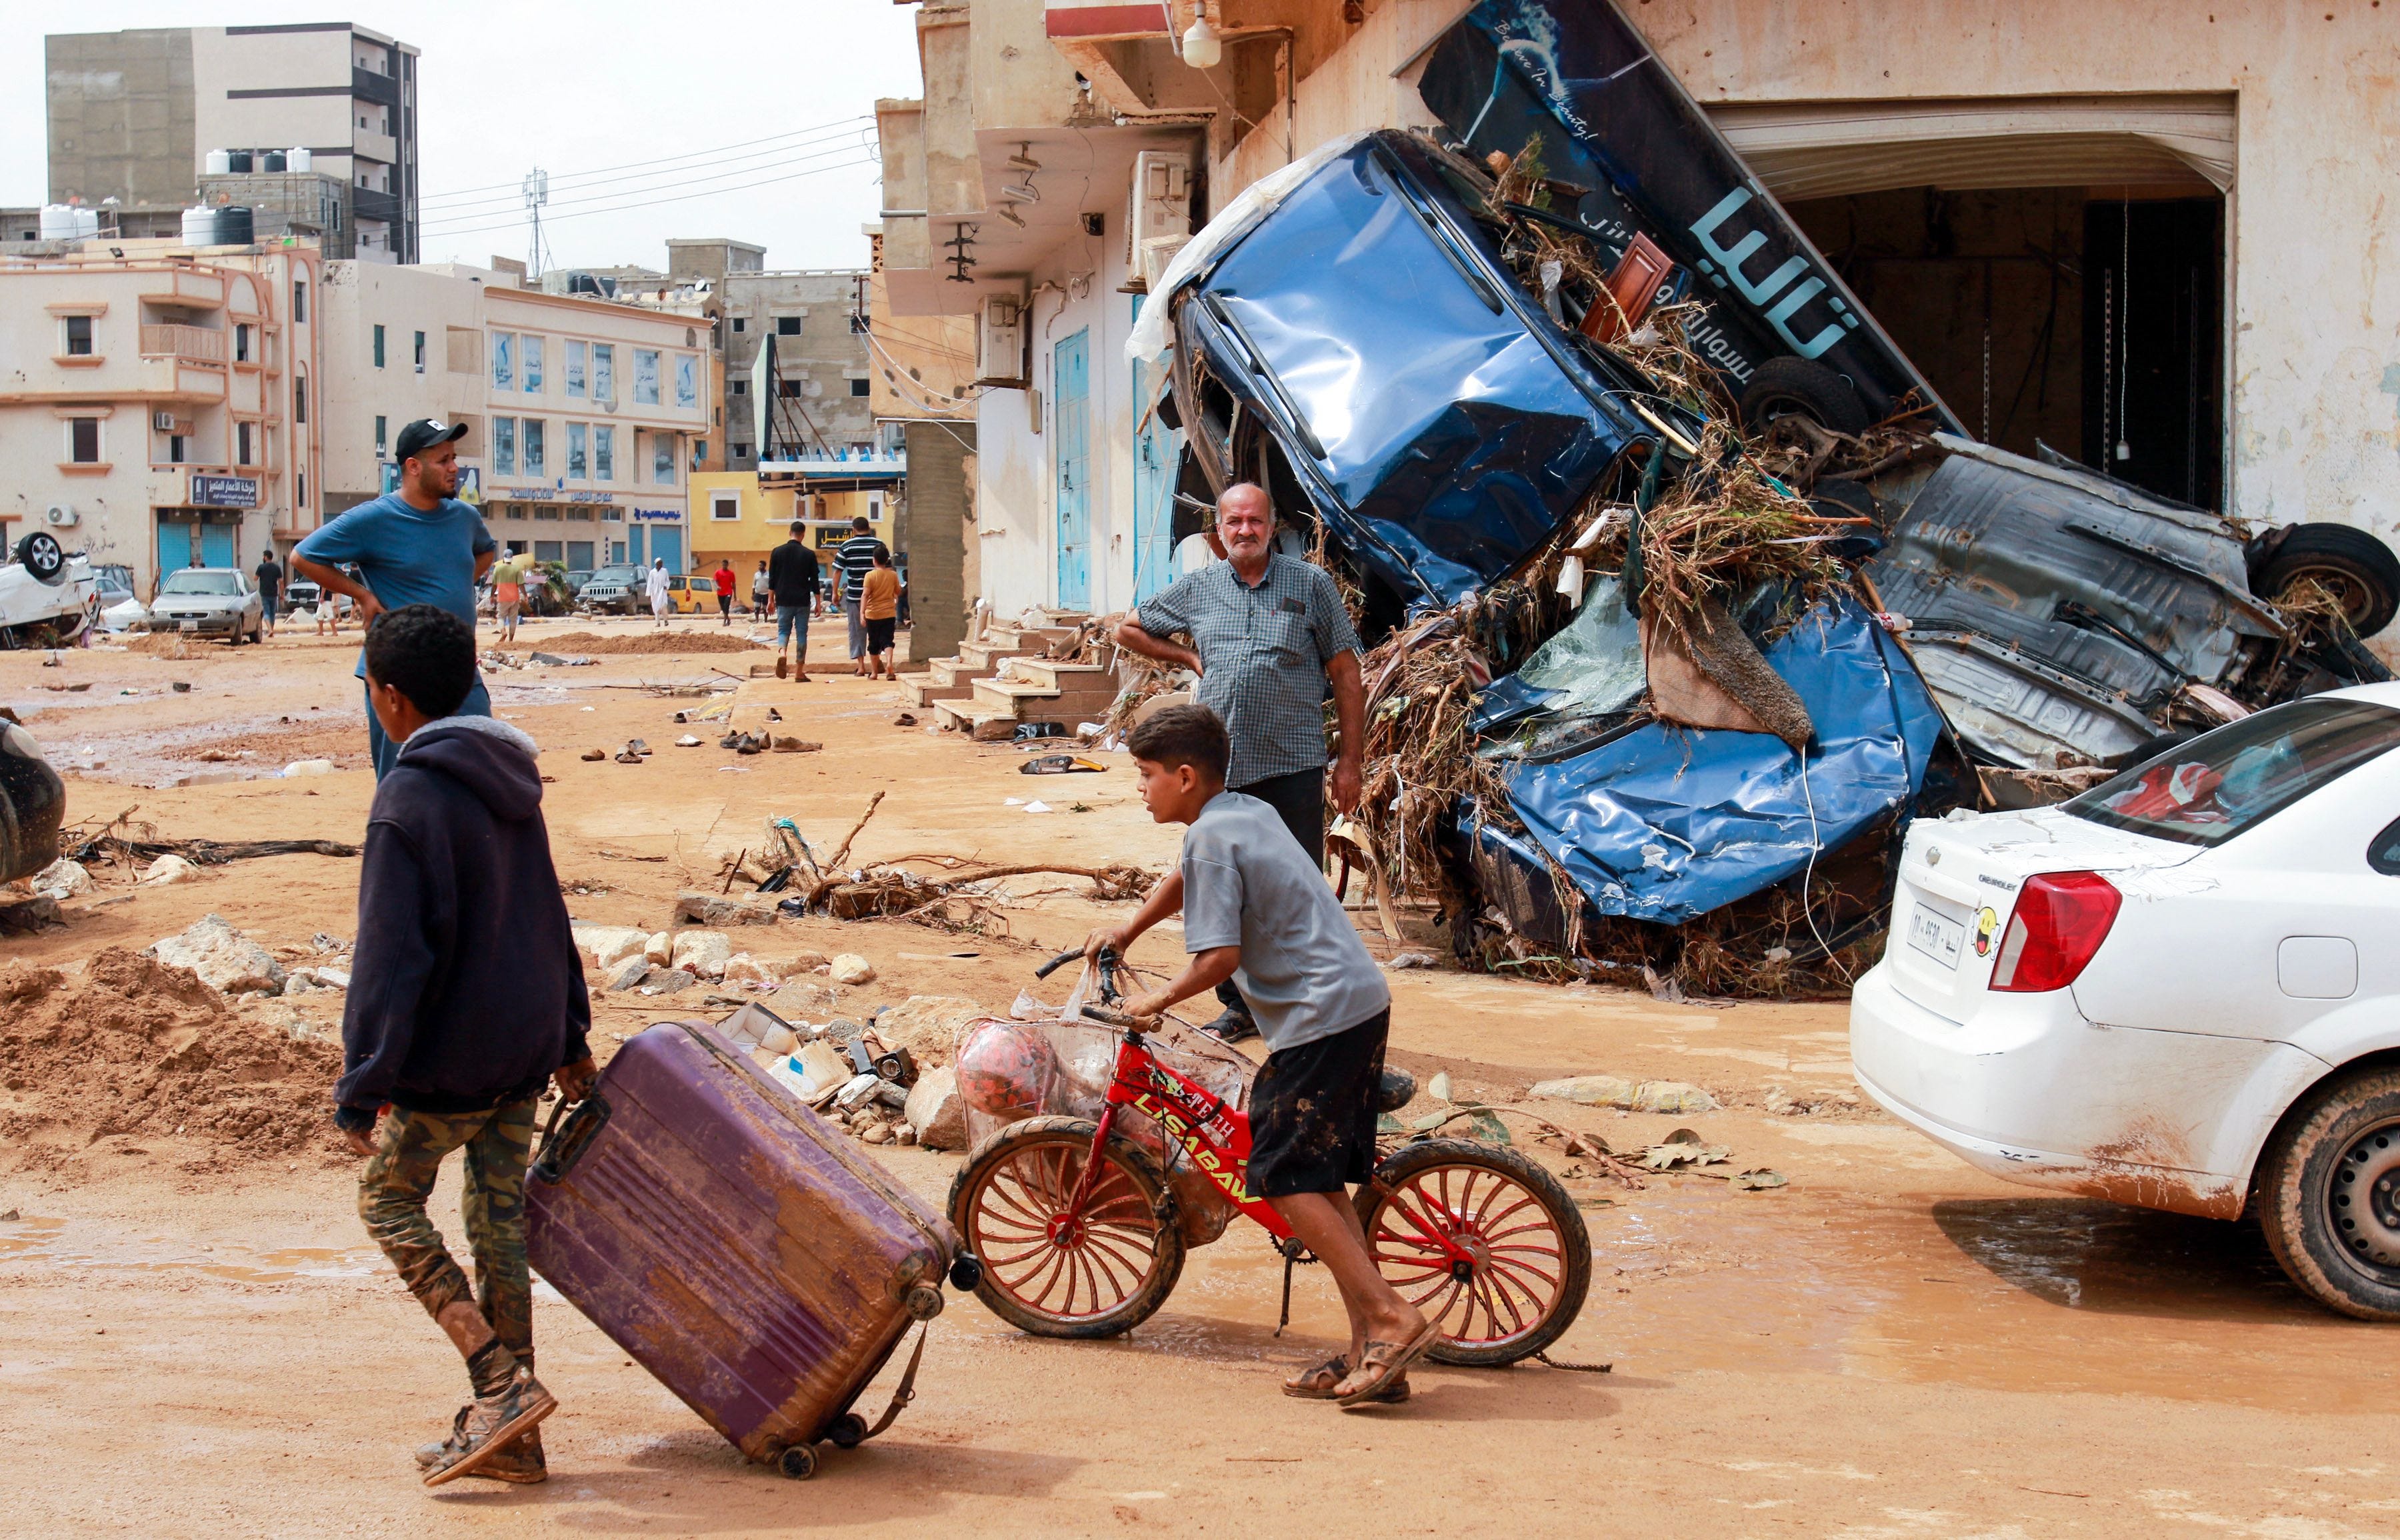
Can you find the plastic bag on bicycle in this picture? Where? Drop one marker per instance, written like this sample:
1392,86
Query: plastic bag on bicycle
1012,1070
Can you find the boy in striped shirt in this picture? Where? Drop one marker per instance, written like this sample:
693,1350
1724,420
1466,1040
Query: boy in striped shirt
855,559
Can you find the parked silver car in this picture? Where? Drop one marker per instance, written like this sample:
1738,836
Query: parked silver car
210,601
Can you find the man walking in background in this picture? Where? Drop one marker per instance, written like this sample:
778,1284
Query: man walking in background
416,545
855,560
1270,641
795,580
723,577
271,587
654,583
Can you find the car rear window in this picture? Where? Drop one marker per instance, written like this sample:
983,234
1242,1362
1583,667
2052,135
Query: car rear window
2209,790
187,581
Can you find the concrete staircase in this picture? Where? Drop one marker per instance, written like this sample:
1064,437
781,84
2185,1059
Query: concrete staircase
1030,689
954,678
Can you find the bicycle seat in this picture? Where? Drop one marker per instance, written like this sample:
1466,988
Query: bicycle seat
1399,1089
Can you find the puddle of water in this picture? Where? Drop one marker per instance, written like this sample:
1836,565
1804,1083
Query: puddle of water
37,1240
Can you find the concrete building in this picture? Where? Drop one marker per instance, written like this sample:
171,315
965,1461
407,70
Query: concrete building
163,407
922,384
740,517
817,401
2094,225
136,116
583,413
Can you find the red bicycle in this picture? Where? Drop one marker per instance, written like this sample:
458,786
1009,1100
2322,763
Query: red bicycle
1078,1235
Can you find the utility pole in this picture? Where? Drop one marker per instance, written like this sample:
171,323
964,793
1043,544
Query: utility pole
537,192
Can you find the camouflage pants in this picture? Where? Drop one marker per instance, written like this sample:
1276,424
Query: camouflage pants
400,1178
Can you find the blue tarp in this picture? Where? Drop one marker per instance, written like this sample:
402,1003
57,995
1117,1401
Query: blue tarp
1667,823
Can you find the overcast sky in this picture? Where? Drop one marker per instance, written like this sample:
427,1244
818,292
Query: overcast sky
580,90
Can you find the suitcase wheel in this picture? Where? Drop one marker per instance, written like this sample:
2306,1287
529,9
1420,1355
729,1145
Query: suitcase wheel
925,1301
800,1462
848,1431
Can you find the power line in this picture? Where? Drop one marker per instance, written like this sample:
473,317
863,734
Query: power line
645,203
654,181
697,183
632,164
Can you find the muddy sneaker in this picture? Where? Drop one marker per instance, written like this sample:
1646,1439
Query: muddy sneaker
520,1460
487,1426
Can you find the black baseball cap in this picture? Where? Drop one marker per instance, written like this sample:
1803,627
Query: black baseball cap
424,433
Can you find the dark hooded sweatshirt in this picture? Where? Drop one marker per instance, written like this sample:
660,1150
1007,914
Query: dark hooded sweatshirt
466,987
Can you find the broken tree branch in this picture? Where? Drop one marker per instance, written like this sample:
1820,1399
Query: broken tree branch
876,802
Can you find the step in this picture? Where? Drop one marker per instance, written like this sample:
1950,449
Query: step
981,726
1032,702
925,692
1083,677
988,653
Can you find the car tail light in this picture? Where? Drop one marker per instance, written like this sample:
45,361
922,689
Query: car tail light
2060,920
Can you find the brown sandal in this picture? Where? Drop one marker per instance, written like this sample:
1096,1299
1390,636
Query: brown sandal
1384,1365
1319,1383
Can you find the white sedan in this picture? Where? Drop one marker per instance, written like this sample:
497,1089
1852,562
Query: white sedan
2180,989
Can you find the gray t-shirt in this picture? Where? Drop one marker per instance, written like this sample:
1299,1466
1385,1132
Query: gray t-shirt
1247,884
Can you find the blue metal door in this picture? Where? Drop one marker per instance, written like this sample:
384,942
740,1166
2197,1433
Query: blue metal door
666,543
1156,450
175,549
1071,387
633,546
216,545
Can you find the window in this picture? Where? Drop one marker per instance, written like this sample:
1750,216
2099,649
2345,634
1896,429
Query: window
504,446
578,458
531,431
603,373
544,510
858,388
300,488
646,376
576,358
2209,790
580,513
242,344
737,388
532,370
739,325
579,556
83,440
420,352
698,452
548,550
299,398
787,326
379,346
663,458
379,437
687,379
504,357
176,449
604,453
241,443
725,505
740,451
299,303
790,388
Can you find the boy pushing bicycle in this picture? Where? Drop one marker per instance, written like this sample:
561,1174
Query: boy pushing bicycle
1255,910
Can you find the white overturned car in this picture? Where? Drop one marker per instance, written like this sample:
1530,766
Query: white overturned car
45,593
2180,989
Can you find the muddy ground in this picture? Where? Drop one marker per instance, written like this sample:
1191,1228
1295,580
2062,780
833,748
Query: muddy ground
196,1339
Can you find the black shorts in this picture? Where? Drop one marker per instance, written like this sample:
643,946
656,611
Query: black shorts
879,633
1313,1113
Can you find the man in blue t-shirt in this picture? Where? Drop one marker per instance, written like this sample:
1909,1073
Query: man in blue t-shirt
416,545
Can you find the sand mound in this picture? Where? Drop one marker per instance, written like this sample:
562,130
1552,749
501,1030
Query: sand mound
594,645
135,1046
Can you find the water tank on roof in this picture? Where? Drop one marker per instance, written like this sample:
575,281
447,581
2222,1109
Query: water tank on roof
220,162
234,224
237,161
271,162
300,158
200,226
67,222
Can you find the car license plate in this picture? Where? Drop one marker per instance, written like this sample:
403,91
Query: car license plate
189,625
1936,937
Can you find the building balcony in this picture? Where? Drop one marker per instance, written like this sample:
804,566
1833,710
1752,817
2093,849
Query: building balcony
381,148
189,343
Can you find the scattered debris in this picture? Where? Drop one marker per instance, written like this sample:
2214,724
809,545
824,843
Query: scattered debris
166,869
850,968
1649,1095
1412,960
222,957
62,879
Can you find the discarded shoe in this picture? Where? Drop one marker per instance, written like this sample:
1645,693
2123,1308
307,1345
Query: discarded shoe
730,741
595,754
752,743
520,1460
630,754
904,720
637,745
491,1422
686,742
795,745
774,716
1231,1027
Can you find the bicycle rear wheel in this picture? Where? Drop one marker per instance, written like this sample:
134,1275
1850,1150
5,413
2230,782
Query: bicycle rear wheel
1528,1255
1097,1273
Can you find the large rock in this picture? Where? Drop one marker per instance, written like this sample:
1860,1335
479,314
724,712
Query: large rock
741,968
630,971
712,910
936,1112
62,879
667,981
169,867
1649,1095
659,948
928,1025
225,959
850,968
609,945
702,952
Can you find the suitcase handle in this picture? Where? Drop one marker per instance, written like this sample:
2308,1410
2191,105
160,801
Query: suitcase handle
561,1148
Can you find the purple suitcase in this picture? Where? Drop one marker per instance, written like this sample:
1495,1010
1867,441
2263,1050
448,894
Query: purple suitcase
733,1242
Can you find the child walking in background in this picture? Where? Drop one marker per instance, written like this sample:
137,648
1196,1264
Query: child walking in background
878,607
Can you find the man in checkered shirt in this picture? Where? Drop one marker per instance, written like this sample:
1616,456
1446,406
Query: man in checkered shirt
1270,641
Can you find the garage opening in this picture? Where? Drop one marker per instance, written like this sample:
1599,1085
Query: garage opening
2054,267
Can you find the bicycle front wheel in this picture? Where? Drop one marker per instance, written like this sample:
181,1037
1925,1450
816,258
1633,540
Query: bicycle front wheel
1096,1273
1527,1259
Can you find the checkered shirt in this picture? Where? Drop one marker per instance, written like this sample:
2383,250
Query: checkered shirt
1263,656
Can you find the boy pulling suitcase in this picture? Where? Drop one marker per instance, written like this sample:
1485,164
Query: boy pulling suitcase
466,997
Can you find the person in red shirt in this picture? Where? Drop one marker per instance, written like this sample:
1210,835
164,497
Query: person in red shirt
725,590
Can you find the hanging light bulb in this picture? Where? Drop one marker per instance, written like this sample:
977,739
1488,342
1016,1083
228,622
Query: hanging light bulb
1202,47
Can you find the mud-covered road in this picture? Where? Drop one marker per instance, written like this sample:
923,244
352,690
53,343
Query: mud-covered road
196,1342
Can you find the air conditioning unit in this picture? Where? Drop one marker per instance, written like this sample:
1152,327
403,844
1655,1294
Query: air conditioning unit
1000,342
163,421
61,516
1156,254
1160,210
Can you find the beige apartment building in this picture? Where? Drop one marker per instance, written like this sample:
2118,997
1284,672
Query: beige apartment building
2072,215
164,408
585,416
